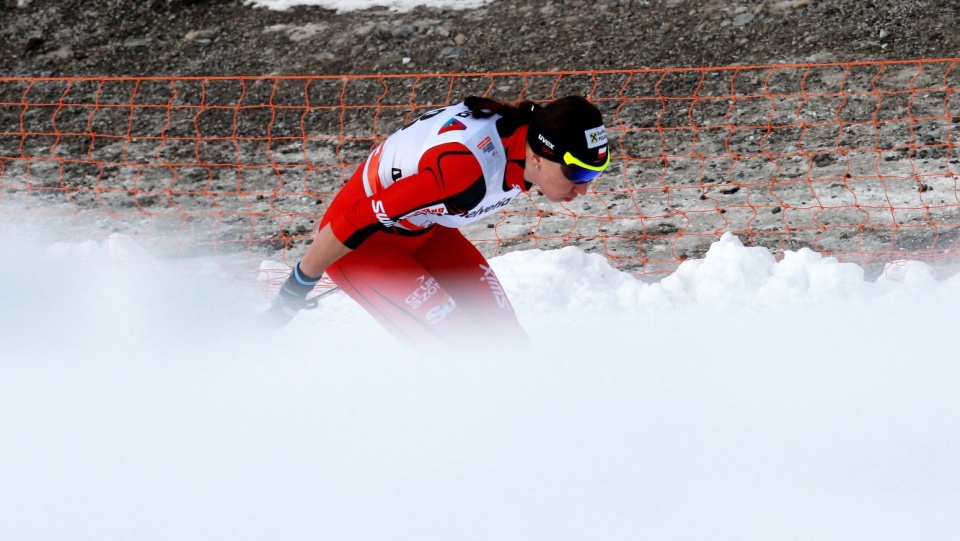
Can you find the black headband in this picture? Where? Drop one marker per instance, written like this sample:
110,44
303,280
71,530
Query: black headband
588,145
545,142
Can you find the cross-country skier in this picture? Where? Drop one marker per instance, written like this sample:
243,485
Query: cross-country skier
390,241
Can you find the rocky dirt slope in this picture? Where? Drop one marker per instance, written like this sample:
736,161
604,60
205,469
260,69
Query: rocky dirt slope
40,38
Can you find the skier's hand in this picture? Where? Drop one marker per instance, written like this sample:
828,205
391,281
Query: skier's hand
291,298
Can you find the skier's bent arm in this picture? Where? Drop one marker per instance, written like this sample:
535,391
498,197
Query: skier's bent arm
325,250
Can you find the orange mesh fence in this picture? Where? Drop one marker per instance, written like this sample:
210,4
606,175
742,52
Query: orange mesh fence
856,160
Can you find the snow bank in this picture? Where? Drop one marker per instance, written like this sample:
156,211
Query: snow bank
740,398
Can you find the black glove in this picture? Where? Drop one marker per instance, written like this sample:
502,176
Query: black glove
291,298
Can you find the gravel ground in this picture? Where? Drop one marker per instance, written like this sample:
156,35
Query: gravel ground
220,37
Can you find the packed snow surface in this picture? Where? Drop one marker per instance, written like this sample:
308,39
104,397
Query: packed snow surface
739,398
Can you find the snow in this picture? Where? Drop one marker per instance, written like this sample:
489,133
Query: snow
343,6
739,398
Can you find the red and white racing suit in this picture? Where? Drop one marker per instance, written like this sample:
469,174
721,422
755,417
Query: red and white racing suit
410,267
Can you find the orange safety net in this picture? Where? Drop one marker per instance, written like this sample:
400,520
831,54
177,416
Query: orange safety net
855,160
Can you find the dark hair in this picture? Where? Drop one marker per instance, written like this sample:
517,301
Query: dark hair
570,124
485,108
556,115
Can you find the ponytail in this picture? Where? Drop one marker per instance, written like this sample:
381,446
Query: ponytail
521,114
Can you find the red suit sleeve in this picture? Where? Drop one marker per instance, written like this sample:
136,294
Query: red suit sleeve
447,173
